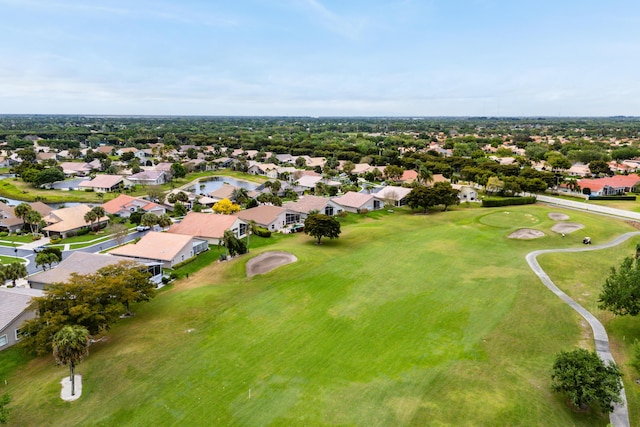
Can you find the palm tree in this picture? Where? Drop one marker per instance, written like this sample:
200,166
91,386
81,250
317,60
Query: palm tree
70,346
32,218
90,217
14,271
240,195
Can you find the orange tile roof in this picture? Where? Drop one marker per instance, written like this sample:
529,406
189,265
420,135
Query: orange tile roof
198,224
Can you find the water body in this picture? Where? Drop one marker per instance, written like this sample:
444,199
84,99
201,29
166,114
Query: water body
205,187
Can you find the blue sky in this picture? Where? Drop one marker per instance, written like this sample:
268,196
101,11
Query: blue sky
320,57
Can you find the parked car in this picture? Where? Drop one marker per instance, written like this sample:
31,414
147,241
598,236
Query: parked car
142,227
39,249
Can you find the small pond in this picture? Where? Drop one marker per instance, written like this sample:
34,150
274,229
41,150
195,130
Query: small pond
205,187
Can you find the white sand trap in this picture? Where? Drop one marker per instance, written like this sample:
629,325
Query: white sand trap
526,234
557,216
566,227
267,261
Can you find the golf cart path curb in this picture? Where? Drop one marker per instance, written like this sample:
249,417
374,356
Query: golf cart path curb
620,415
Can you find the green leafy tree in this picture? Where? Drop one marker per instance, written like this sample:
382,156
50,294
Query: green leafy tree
178,171
600,167
321,225
179,209
95,301
421,197
621,290
149,219
233,244
445,194
48,176
393,172
70,346
164,221
46,259
586,380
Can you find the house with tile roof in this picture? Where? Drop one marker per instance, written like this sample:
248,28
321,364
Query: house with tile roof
309,203
358,202
105,183
148,177
124,205
66,222
273,218
11,223
394,196
210,227
168,249
76,168
610,186
86,263
14,310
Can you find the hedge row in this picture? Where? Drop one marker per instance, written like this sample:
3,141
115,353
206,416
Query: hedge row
493,203
262,232
612,197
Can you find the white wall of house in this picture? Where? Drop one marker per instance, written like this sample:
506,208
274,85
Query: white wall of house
9,334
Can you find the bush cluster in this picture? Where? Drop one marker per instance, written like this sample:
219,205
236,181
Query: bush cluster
510,201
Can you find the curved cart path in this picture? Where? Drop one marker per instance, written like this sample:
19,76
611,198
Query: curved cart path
620,415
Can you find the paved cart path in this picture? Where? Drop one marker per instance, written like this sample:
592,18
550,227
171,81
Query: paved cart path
620,415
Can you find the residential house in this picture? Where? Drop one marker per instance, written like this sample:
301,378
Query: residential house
408,176
137,153
266,169
579,169
86,263
466,193
125,205
42,157
610,186
210,227
168,249
76,168
11,223
66,222
105,149
15,308
310,203
394,196
358,202
149,177
273,218
105,183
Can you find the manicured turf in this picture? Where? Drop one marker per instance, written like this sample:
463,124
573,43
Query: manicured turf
405,320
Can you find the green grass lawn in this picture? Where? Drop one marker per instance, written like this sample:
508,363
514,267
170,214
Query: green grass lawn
405,320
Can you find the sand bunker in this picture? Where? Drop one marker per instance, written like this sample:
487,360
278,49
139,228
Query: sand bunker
557,216
566,227
526,234
267,261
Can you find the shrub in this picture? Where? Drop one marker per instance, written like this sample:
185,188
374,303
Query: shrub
3,234
508,201
262,232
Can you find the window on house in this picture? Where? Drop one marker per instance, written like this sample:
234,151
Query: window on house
18,334
3,340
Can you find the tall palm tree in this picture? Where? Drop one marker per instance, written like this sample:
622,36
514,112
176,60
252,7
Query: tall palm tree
32,218
70,346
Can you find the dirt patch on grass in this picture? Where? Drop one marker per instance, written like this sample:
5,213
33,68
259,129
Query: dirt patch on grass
526,234
566,227
557,216
267,261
